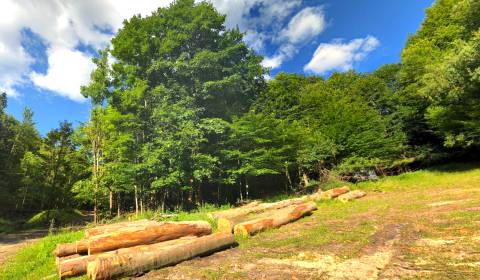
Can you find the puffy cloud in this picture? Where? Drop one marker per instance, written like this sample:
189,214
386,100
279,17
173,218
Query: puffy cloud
62,25
301,30
304,26
339,56
67,71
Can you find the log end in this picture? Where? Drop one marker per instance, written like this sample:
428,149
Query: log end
225,225
240,231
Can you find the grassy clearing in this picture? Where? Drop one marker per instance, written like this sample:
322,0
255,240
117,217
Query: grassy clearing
37,261
342,230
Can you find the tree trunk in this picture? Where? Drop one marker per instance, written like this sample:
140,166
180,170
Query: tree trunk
73,248
352,195
278,219
150,233
118,205
156,256
306,180
110,203
331,194
136,201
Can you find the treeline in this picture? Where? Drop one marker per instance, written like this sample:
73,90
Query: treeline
184,116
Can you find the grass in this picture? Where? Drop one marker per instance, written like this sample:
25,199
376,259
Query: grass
37,261
57,216
343,230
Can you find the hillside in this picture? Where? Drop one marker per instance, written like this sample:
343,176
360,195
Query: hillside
421,224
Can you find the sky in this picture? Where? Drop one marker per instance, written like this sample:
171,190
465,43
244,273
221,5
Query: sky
46,46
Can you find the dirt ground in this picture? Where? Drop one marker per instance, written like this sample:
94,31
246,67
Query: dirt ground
401,230
12,242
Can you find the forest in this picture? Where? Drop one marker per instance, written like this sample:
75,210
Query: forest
183,115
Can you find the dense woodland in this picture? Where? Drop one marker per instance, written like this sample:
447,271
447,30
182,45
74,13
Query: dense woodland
182,115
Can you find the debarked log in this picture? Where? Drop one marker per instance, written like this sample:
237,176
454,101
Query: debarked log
128,264
281,217
148,234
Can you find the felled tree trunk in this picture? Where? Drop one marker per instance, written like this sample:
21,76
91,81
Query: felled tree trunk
333,193
281,217
234,211
70,267
237,213
156,256
73,248
113,227
61,259
352,195
150,233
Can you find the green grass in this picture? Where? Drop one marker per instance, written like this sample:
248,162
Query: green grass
37,261
58,216
347,226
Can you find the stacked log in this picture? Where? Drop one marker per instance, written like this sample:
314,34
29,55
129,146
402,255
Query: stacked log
282,217
156,256
148,234
352,195
226,220
114,227
67,249
333,193
69,267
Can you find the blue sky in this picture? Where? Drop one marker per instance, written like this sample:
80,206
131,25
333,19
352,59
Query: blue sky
46,46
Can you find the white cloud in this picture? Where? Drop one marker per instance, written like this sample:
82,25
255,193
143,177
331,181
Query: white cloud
304,26
301,30
67,70
62,25
273,62
339,56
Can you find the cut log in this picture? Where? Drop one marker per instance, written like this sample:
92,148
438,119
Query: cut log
352,195
315,196
281,217
234,211
333,193
148,234
60,259
238,213
156,256
76,266
114,227
73,248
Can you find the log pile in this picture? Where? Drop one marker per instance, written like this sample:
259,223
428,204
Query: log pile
130,248
139,241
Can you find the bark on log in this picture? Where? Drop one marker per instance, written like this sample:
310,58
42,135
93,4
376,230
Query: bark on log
238,213
352,195
282,217
234,211
128,264
114,227
150,233
333,193
76,266
73,248
61,259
